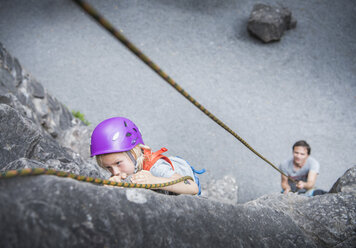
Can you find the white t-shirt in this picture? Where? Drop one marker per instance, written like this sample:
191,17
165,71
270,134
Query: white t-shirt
163,169
302,174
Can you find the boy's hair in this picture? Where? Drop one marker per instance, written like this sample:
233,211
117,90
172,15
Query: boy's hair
303,143
136,153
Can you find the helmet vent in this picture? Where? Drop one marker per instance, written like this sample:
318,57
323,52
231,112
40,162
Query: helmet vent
128,134
125,123
134,129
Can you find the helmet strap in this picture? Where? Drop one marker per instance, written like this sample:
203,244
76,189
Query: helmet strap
133,160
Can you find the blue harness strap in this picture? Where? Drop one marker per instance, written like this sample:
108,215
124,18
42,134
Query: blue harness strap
195,172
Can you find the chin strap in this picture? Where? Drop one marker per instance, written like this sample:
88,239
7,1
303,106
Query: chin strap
133,160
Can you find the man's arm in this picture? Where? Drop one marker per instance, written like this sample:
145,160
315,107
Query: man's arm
284,184
312,175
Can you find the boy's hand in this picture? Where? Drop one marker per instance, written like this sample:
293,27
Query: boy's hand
118,178
143,177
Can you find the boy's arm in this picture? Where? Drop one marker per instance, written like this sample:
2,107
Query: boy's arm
185,187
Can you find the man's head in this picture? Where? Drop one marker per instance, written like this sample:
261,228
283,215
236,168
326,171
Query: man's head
304,144
301,152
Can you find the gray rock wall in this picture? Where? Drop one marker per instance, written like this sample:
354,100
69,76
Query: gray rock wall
22,139
36,127
54,212
21,91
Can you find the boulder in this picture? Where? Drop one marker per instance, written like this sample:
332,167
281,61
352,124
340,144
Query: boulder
268,23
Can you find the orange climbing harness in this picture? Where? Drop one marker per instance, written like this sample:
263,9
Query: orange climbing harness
151,158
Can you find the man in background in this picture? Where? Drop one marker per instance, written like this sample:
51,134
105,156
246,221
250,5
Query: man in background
303,169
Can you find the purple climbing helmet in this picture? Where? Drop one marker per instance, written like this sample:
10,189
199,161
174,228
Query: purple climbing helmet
116,134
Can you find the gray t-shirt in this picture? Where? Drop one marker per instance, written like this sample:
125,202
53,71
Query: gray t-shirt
163,169
302,174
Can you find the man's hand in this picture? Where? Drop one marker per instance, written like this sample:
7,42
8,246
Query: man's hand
301,185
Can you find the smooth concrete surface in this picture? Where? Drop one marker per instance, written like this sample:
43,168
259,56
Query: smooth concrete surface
303,87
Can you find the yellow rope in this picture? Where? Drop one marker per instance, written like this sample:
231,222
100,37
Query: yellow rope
44,171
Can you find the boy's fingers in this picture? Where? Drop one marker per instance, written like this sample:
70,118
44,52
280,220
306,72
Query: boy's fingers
115,179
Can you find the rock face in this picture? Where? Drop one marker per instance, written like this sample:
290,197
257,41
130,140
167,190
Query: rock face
21,91
36,130
22,139
345,183
329,219
48,211
269,23
223,190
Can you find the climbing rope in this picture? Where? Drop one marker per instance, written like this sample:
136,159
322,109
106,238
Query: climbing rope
119,36
43,171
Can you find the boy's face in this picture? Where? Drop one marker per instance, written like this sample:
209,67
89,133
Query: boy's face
119,164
